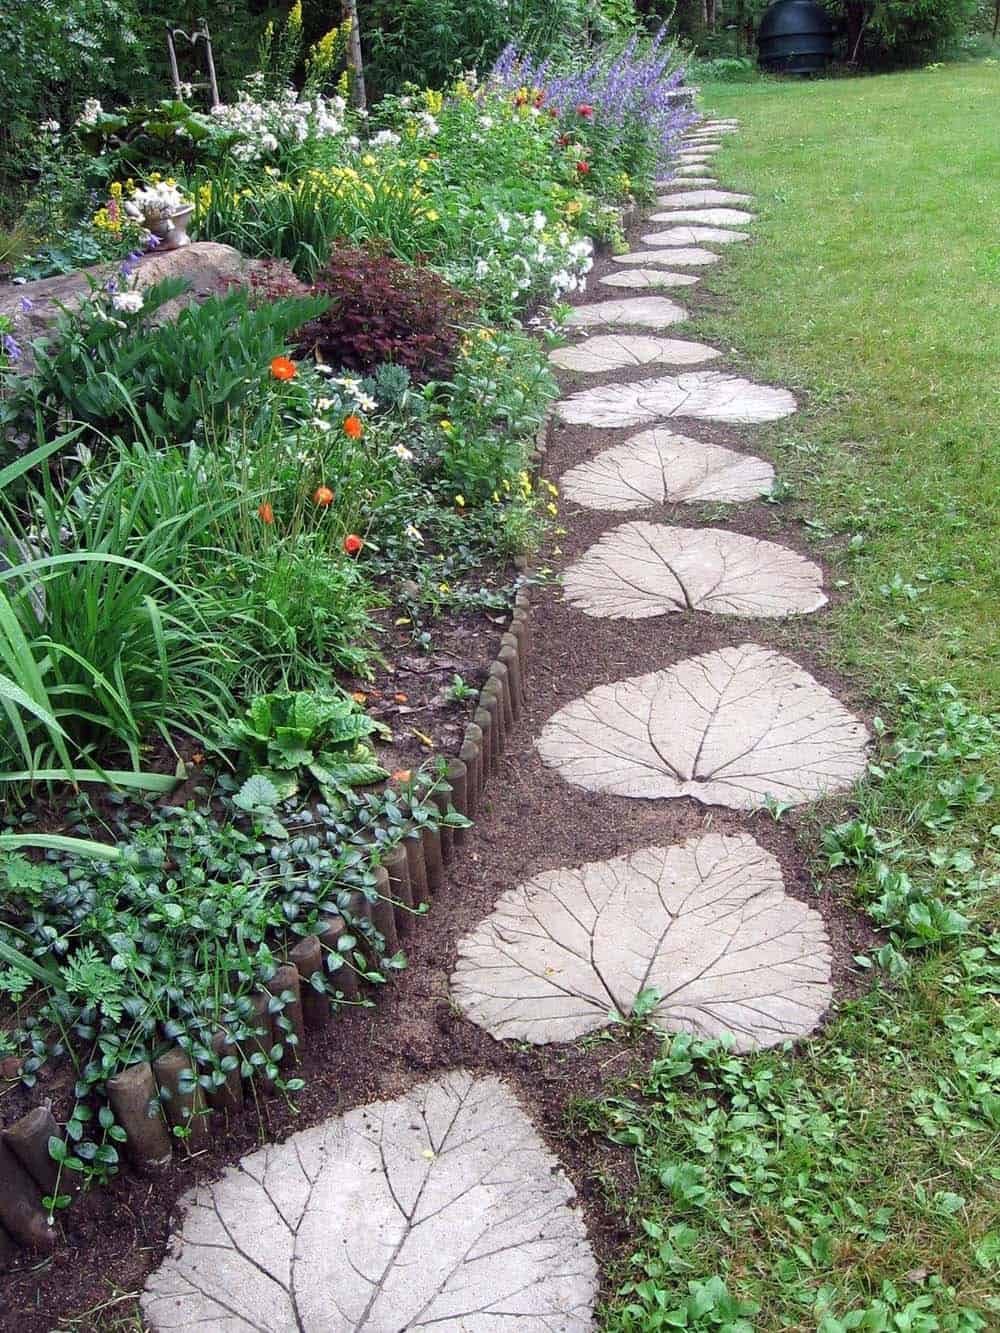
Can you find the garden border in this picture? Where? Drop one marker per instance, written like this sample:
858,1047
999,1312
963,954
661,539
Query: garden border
411,872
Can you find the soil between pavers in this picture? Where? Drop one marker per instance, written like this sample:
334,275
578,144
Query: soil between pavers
532,821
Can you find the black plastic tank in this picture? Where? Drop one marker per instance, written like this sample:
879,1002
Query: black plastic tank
795,37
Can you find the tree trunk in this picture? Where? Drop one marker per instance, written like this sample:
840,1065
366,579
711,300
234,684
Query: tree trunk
855,28
358,96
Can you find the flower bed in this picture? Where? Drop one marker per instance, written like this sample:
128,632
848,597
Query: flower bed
255,562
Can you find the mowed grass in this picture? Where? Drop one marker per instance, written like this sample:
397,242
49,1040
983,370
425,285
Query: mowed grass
873,287
852,1183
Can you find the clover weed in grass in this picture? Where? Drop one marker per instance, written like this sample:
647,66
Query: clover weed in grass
853,1183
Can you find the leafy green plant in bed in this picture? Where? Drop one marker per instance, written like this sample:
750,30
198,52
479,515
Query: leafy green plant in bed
109,365
288,740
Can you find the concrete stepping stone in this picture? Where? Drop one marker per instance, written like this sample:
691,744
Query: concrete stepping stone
641,279
442,1208
682,257
702,932
711,395
694,236
615,351
691,169
733,727
658,467
703,148
684,182
655,312
711,217
642,569
702,199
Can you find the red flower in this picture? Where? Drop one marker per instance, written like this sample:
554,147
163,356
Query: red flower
353,427
585,110
554,113
353,543
282,368
563,140
323,496
583,168
266,513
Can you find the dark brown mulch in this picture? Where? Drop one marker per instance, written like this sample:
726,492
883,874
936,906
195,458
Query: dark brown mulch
532,821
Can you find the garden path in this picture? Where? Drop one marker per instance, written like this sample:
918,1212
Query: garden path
444,1206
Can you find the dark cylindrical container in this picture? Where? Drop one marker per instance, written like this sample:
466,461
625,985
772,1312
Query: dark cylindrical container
795,37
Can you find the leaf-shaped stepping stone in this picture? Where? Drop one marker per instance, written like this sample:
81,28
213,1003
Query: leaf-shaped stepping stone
658,467
694,236
685,182
648,569
642,279
698,152
710,217
441,1209
707,925
732,727
693,258
703,199
692,168
655,312
613,351
708,394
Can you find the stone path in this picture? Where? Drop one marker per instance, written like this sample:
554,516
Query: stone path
443,1207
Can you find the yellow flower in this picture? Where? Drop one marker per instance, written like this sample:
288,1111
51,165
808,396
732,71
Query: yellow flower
551,509
369,160
445,425
444,587
485,335
432,215
115,190
552,490
460,501
496,497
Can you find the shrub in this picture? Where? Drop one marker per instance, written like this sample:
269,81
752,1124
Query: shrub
382,310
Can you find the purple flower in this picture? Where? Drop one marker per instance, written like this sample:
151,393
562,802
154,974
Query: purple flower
10,348
152,241
26,305
112,284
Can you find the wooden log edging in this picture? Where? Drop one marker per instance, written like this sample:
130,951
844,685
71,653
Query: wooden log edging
149,1100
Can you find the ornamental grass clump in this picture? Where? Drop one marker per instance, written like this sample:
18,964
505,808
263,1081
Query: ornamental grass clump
619,105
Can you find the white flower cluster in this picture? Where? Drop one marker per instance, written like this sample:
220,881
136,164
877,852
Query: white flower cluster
91,113
264,126
519,258
153,203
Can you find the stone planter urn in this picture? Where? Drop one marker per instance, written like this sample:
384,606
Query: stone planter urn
171,231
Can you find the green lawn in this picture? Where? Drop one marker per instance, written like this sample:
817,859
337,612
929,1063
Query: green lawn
855,1184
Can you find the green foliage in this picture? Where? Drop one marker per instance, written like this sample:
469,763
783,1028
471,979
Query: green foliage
122,374
287,740
904,32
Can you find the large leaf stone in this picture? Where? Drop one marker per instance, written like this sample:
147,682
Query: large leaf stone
702,199
708,394
684,257
649,569
615,351
733,727
658,467
703,931
654,312
687,236
440,1210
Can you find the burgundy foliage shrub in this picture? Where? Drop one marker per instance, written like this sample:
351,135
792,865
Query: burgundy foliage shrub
383,310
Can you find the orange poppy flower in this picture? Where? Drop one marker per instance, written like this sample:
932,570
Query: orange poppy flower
323,496
353,427
266,513
402,775
282,368
353,543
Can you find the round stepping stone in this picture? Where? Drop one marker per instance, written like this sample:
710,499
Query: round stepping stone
659,467
702,199
709,394
711,217
702,932
655,312
681,257
614,351
443,1208
641,570
734,727
642,279
693,235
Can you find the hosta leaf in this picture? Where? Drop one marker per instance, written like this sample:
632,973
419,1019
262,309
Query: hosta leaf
442,1209
698,938
733,727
